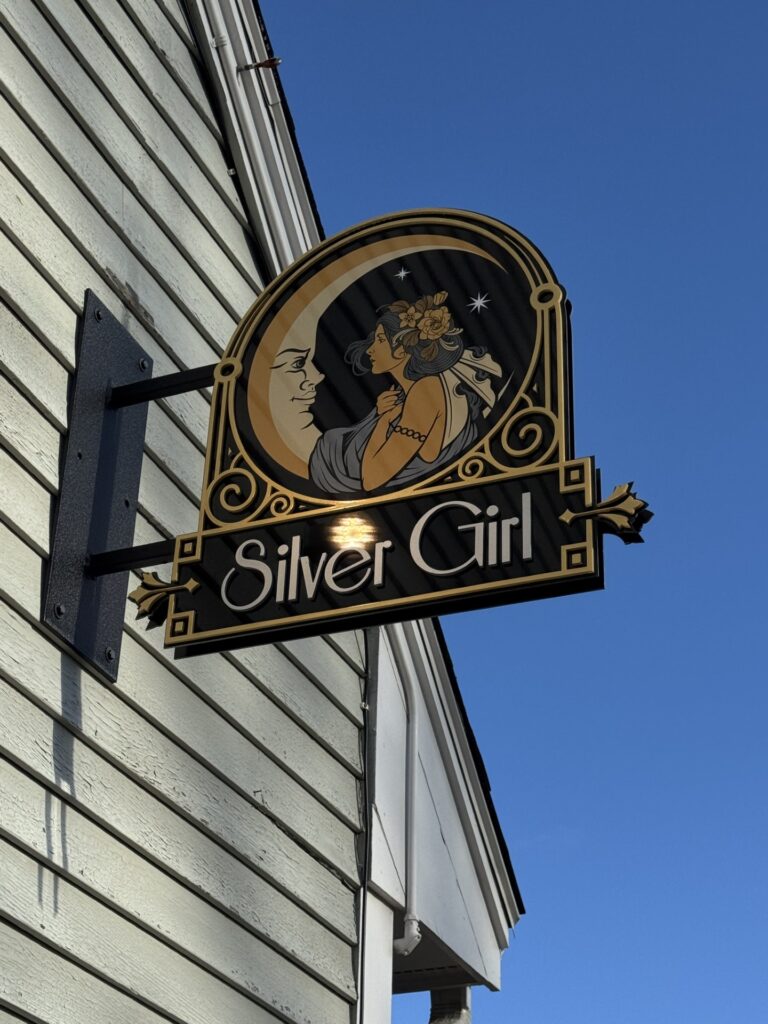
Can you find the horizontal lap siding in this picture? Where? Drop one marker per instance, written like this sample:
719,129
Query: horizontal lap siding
181,845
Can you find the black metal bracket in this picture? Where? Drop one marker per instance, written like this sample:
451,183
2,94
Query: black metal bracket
161,387
87,578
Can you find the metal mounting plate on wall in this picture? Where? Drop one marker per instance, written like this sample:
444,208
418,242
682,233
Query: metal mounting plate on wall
99,490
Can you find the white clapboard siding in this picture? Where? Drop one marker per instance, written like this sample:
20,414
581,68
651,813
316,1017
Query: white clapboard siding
24,502
80,776
165,506
157,82
352,646
34,163
20,288
177,709
66,144
131,149
120,86
28,435
55,831
43,382
92,167
96,245
51,908
242,807
270,669
331,673
164,439
27,295
56,991
172,51
176,14
31,368
6,1017
36,667
249,710
53,320
35,442
25,506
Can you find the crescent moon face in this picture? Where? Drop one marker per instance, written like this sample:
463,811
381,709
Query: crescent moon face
310,390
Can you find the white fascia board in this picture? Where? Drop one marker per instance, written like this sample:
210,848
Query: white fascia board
488,848
464,780
274,192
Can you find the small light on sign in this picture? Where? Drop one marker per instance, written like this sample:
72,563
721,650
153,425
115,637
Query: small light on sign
352,532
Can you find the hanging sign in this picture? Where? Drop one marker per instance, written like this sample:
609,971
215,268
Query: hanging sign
391,437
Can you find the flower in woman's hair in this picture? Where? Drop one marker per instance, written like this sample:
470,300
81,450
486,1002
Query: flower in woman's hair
434,323
410,317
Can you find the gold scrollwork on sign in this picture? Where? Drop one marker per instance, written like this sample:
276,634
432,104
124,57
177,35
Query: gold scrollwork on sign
531,435
232,495
282,504
474,466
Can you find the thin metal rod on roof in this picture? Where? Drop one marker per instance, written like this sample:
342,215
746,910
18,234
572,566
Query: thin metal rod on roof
270,62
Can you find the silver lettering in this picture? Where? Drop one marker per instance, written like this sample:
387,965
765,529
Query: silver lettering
527,528
334,572
423,522
253,564
379,549
310,581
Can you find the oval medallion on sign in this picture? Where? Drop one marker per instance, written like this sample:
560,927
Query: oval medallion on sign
401,354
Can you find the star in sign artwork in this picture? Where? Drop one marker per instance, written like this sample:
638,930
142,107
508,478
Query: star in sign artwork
478,303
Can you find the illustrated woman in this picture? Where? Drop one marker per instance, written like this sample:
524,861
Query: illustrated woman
429,416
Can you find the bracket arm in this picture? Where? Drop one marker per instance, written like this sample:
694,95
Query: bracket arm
161,387
121,559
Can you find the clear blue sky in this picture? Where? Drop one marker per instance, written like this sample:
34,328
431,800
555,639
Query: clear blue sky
624,731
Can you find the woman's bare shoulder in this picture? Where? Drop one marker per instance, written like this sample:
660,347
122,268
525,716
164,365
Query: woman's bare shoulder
425,387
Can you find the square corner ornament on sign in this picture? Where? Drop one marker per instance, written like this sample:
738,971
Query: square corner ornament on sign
391,437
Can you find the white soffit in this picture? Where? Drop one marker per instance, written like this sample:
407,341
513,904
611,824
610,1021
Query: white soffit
257,128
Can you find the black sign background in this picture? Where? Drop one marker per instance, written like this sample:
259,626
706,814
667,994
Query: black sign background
567,555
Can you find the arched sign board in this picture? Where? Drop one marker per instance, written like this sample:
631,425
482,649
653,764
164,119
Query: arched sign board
391,437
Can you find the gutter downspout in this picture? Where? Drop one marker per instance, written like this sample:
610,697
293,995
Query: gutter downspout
412,932
277,249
